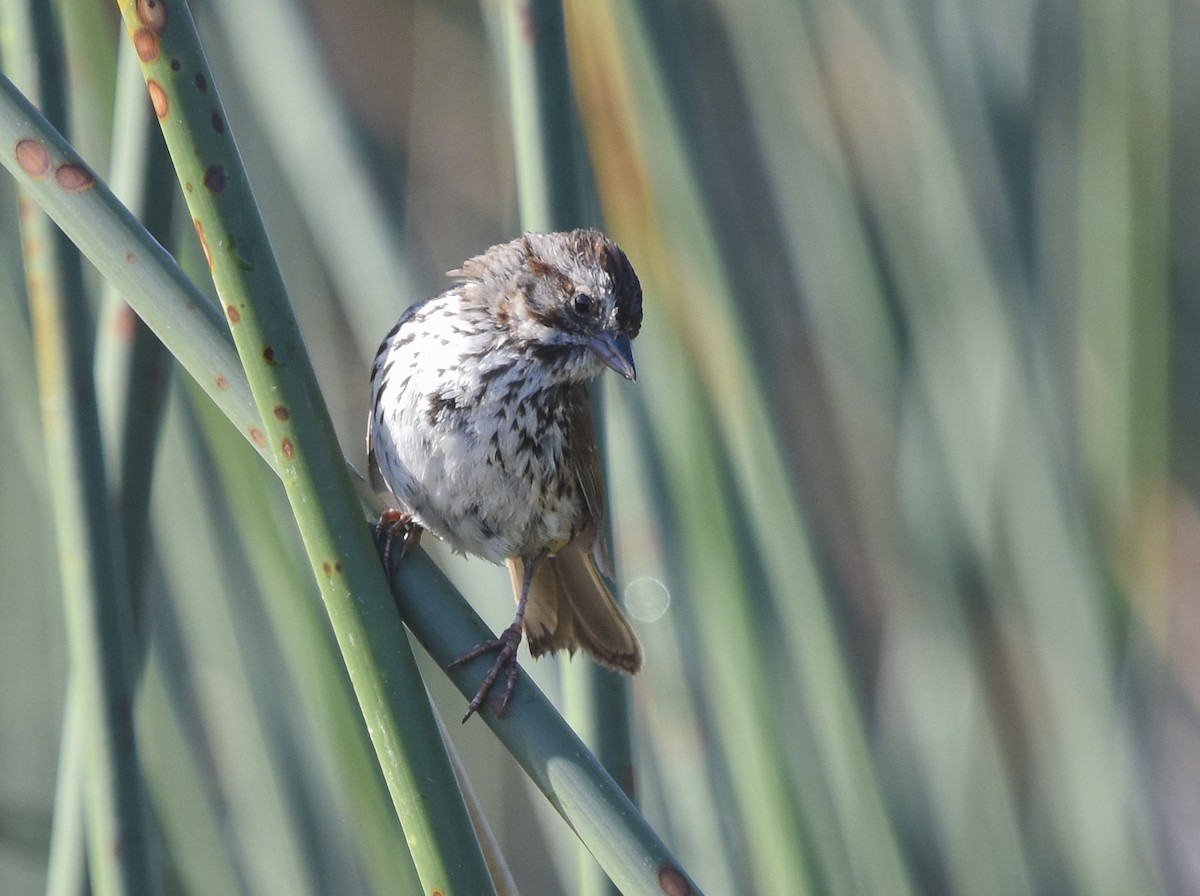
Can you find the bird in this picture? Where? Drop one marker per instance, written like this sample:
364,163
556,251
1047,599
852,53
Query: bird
482,433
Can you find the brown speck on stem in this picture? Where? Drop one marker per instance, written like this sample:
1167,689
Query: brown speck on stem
672,882
153,14
201,82
281,413
233,314
287,448
268,354
33,157
214,178
257,435
222,383
218,123
146,43
203,242
159,99
327,567
74,178
131,257
175,66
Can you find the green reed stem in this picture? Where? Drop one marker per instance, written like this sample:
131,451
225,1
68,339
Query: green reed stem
552,181
93,579
295,424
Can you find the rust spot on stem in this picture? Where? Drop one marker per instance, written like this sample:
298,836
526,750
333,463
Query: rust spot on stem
153,14
257,435
74,178
288,449
281,413
33,157
268,354
222,383
203,242
233,314
146,43
672,882
159,99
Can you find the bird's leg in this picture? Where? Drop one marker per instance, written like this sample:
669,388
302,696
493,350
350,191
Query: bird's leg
392,524
506,645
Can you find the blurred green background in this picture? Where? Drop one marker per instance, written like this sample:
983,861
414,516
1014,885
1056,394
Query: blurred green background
905,497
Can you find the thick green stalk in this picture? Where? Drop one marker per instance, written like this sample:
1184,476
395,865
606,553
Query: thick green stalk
295,425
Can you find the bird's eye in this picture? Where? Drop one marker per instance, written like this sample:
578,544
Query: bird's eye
583,303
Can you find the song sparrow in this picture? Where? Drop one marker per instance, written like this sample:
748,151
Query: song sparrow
481,430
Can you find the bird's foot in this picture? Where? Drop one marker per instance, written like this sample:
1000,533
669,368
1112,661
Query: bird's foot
393,524
505,647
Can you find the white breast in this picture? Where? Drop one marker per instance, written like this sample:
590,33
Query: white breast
464,476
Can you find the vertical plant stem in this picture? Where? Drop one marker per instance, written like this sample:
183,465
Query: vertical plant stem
67,868
93,580
551,184
133,367
295,426
542,109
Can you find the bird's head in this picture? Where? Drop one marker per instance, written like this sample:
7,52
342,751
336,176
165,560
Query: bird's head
571,298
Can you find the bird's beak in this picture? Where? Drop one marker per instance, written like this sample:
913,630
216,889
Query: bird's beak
616,351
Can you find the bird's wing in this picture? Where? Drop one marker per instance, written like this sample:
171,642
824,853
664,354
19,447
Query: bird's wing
584,452
374,476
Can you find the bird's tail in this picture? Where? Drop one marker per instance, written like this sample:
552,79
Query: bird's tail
569,606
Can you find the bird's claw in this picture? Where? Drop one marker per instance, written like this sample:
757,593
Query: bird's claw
393,524
505,647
